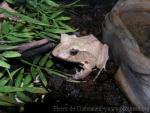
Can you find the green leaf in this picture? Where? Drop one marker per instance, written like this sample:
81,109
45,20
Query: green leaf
31,20
19,78
27,80
2,74
7,47
44,60
4,98
51,72
56,14
6,12
33,71
3,103
5,27
73,4
11,54
4,81
63,18
19,26
39,90
9,89
60,30
45,19
51,35
51,3
36,60
55,24
4,64
14,72
66,27
23,35
16,39
3,58
23,97
10,1
43,78
49,63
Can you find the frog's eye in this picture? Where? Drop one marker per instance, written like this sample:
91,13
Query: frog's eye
74,51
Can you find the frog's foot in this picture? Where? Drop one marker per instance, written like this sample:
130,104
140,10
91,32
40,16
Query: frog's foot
83,73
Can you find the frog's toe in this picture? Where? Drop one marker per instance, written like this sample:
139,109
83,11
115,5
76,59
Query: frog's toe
77,76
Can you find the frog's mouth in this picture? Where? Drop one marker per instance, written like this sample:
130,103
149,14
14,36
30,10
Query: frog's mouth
79,68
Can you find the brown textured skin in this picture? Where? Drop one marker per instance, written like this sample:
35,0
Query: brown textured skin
126,31
91,53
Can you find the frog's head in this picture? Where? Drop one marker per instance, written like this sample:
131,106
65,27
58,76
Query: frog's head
68,47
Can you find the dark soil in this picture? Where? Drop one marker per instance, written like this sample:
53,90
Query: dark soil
103,95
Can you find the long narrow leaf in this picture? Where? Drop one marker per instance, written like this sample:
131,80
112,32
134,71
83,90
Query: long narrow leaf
31,20
19,78
11,54
50,72
33,71
23,97
60,30
56,14
4,81
14,72
3,103
23,35
51,3
44,60
27,80
63,18
8,99
36,60
2,73
15,39
49,63
7,47
43,78
9,89
4,64
45,19
5,27
39,90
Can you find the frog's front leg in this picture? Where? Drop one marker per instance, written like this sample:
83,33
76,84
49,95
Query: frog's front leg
82,73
